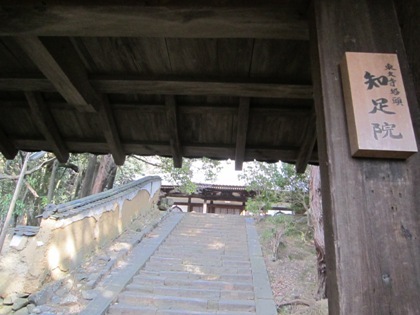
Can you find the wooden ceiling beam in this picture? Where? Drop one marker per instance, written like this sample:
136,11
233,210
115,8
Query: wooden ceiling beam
111,132
308,144
288,110
7,147
164,149
179,86
46,125
196,87
243,115
57,59
171,19
172,123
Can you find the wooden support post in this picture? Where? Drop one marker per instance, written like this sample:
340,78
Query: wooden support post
46,125
172,123
372,221
212,207
189,209
242,129
205,206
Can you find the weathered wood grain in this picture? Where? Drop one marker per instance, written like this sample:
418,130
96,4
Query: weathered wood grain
201,19
46,125
372,222
58,62
285,60
308,144
199,57
169,87
142,56
196,87
241,133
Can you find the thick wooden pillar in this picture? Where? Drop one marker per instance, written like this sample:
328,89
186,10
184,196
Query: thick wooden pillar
189,205
371,206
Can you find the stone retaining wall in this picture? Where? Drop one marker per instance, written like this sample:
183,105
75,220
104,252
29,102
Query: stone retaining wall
70,233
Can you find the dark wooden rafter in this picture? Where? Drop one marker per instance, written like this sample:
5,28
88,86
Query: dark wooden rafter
198,108
243,115
172,123
46,125
308,144
58,61
169,86
185,19
110,131
7,147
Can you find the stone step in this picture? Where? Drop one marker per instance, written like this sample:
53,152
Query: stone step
168,257
175,302
189,292
124,309
199,261
174,255
197,264
155,266
191,283
162,301
186,252
188,275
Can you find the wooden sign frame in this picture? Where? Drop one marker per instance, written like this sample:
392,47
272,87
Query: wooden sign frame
378,116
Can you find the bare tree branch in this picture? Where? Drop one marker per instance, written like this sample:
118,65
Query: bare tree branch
74,167
37,168
145,161
31,189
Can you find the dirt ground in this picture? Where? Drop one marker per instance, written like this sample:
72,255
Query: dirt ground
293,274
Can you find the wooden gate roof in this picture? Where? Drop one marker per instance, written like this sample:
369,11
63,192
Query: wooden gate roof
220,79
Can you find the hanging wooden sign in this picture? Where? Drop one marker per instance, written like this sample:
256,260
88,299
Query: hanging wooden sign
378,116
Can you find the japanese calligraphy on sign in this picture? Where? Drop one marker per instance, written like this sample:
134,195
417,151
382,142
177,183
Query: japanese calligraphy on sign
378,115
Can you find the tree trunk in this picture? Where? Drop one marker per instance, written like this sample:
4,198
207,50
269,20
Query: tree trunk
51,185
111,177
89,176
78,184
105,170
317,222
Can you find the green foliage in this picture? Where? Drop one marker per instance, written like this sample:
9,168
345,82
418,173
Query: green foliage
5,202
211,168
34,193
274,184
287,222
182,177
131,170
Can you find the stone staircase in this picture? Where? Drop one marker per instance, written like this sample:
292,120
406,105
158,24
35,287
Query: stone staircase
205,266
